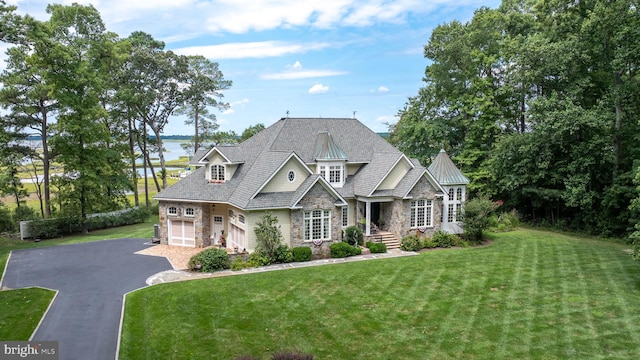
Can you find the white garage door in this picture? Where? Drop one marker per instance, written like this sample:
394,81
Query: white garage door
182,233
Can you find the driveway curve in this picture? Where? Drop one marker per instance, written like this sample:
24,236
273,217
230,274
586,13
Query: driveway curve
91,279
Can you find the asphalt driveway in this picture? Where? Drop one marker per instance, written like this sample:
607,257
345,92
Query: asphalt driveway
91,279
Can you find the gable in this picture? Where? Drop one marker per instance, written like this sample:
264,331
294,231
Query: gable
395,175
425,189
280,181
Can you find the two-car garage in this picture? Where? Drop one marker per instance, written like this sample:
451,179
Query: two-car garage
182,233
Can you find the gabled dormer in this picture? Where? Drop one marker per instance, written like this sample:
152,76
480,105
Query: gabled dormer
219,167
330,159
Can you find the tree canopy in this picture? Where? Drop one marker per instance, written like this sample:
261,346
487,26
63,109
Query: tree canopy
537,102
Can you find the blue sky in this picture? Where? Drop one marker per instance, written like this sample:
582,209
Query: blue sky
312,58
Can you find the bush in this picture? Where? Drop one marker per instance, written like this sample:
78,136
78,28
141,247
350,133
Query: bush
429,243
24,213
6,224
411,243
353,235
54,227
210,260
258,258
239,264
444,239
377,248
268,236
475,218
343,249
283,254
302,253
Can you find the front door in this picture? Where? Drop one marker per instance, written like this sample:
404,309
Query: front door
217,227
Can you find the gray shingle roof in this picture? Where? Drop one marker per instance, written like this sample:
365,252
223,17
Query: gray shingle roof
310,139
445,171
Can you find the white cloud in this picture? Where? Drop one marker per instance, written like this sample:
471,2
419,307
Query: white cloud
297,66
233,104
261,49
383,89
318,89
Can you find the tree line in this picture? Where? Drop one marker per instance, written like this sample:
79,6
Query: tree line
538,101
98,103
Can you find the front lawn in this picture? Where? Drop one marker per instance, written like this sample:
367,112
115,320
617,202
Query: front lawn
531,294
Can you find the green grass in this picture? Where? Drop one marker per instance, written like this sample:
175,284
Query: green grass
530,295
21,309
21,312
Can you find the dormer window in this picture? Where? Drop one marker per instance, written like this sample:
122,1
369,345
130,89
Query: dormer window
218,172
332,172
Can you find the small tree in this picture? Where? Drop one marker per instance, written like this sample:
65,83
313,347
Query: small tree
268,236
475,217
353,235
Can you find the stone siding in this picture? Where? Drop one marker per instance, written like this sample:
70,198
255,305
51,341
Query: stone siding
200,220
316,199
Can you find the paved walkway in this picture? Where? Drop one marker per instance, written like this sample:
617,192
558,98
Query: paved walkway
182,275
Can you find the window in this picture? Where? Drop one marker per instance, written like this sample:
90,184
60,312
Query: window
232,214
189,211
451,215
451,194
172,210
345,216
421,213
458,209
241,219
335,174
217,172
459,194
291,176
317,225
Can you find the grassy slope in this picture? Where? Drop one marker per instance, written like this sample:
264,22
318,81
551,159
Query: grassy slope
22,309
531,294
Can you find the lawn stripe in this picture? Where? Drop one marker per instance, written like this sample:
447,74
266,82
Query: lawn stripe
512,328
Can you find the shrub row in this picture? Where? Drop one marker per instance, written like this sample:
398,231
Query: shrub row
54,227
440,239
377,248
283,254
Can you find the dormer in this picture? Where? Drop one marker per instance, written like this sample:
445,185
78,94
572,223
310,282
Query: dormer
219,168
330,159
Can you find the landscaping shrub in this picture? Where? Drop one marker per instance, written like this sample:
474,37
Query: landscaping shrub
54,227
353,235
377,248
343,249
239,264
210,260
475,218
411,243
258,258
302,253
6,224
23,213
283,254
444,239
429,243
268,236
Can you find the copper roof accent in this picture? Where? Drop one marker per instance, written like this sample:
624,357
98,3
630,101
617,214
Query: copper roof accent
445,171
326,148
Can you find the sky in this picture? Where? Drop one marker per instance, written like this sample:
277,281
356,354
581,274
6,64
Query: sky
300,58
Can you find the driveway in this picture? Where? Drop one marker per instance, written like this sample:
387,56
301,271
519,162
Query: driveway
91,279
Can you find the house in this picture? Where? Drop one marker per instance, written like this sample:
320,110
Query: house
318,176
